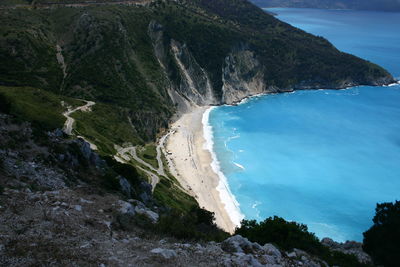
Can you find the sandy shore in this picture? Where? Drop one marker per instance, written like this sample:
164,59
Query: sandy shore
192,165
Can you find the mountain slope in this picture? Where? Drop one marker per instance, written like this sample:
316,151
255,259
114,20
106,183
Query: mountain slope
151,60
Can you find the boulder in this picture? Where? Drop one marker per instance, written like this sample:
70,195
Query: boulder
272,250
164,253
126,208
126,187
89,154
239,244
269,260
153,216
349,247
78,207
146,195
245,260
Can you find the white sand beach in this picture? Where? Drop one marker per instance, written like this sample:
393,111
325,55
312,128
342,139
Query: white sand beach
192,164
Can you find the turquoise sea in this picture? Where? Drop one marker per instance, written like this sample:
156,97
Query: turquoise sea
320,157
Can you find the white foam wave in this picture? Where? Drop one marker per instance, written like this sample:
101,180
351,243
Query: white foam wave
238,165
227,198
393,84
254,206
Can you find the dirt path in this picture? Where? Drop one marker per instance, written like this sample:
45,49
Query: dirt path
160,151
70,121
154,178
124,155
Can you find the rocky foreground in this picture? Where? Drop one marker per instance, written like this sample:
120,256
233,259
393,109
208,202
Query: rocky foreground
53,213
79,227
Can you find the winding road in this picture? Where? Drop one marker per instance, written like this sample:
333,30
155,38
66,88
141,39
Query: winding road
70,121
124,155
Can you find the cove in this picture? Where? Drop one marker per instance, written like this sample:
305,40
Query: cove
320,157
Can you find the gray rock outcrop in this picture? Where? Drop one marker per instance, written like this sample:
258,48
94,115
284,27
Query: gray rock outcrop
164,253
242,75
349,247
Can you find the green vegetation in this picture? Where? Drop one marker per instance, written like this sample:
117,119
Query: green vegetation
5,104
105,126
293,57
197,224
289,235
39,107
381,241
168,193
14,2
149,154
129,172
110,57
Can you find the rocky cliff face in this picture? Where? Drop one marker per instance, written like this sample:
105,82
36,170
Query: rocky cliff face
155,60
189,83
242,76
195,84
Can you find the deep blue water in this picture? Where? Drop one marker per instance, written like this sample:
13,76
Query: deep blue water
322,157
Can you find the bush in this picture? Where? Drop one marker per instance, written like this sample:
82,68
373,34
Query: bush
198,224
381,241
127,171
289,235
5,104
1,164
110,182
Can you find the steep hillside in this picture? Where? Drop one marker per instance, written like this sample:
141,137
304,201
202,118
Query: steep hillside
113,74
152,59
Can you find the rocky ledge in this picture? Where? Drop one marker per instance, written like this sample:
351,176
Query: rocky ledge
81,227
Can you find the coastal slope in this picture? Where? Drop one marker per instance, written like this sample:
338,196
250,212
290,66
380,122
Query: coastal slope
193,163
146,63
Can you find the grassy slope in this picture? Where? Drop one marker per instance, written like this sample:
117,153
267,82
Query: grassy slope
110,60
105,126
149,154
37,106
110,57
44,110
170,194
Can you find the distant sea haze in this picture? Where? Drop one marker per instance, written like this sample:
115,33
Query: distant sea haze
377,5
324,157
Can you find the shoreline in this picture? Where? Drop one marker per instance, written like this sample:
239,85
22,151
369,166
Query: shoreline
194,163
227,197
189,149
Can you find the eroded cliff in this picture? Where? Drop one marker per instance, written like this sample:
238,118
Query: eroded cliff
152,60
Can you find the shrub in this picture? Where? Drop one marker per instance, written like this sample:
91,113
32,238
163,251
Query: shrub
198,224
110,182
128,222
289,235
381,241
1,164
125,170
5,104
